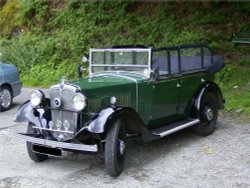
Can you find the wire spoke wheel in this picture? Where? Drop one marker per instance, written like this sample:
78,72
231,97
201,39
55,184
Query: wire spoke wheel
5,98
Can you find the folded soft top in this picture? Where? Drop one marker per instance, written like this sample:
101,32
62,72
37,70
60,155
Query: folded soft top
189,63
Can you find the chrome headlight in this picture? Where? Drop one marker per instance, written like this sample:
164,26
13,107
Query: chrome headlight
36,97
79,102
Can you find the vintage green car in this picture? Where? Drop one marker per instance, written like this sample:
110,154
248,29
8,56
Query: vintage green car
130,90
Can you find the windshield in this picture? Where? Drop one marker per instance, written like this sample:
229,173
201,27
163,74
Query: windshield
131,60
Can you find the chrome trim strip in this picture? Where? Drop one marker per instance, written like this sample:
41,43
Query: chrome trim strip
119,65
56,144
90,61
119,49
66,86
149,60
198,100
61,131
177,128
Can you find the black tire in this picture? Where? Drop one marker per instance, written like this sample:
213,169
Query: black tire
37,157
115,148
208,116
6,98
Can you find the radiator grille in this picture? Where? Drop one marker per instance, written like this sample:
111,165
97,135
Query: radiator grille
59,116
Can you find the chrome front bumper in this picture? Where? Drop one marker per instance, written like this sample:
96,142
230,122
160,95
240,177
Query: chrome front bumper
56,144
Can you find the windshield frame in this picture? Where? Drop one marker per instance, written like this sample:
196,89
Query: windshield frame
147,66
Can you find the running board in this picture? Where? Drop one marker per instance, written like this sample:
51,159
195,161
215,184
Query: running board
169,129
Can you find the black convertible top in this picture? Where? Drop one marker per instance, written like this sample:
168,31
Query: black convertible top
189,63
181,63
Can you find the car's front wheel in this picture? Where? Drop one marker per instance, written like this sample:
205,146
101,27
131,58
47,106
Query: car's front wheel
5,98
208,116
115,148
37,157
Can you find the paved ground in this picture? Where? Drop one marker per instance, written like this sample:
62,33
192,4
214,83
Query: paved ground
180,160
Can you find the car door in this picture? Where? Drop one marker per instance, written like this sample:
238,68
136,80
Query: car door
192,76
165,92
165,99
189,84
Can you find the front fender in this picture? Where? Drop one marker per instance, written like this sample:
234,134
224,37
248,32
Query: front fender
98,124
101,123
25,113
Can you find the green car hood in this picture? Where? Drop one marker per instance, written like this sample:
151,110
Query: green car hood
108,80
100,88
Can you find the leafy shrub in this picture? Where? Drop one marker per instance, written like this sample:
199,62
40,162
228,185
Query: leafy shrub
9,21
57,32
226,74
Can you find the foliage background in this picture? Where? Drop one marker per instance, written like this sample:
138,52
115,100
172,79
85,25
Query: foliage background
47,38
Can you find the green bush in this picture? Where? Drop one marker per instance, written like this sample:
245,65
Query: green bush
56,34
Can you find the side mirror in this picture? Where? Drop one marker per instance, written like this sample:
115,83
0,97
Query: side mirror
80,70
85,59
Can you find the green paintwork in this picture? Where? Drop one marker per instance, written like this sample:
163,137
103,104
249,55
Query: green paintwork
167,99
159,101
99,90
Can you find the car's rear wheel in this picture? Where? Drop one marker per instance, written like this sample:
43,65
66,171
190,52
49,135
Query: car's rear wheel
115,148
208,116
37,157
6,98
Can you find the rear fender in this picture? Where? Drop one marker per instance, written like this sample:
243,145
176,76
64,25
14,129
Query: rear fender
207,87
213,88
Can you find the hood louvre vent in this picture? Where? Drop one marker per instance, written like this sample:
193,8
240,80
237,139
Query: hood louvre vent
96,104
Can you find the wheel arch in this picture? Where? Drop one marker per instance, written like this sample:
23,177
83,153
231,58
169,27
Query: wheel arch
207,87
132,121
106,117
9,86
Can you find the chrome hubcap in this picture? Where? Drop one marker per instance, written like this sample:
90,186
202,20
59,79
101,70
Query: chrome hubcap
209,114
122,147
5,98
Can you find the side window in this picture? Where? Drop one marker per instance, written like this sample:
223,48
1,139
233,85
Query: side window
191,59
160,60
174,62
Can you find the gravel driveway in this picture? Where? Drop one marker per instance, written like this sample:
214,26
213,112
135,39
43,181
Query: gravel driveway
179,160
